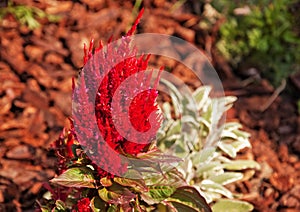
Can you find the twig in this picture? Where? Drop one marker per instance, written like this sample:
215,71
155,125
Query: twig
272,98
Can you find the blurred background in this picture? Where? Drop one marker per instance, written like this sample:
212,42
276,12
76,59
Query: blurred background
254,45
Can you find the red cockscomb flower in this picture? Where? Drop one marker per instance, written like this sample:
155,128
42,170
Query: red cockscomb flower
83,205
111,107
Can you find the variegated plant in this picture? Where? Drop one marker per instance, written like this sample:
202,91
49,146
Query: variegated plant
193,130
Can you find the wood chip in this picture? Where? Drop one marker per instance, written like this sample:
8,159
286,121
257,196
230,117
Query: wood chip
20,152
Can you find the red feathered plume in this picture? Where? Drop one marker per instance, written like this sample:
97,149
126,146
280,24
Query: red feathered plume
127,120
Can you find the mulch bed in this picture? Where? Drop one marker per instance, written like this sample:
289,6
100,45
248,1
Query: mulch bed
36,67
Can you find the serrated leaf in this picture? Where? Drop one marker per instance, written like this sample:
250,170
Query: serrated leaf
226,178
76,177
188,199
137,184
241,164
215,187
226,205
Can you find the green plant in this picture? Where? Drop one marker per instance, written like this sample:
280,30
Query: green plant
26,15
264,36
208,147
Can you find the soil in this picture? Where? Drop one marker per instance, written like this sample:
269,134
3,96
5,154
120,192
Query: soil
36,67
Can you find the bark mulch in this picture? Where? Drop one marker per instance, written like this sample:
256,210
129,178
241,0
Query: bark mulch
36,67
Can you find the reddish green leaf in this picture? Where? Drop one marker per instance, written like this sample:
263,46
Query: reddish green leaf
97,204
157,194
106,182
116,197
138,185
76,177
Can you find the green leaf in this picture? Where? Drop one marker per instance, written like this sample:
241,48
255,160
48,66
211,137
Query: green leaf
230,126
226,205
218,107
226,178
76,177
215,187
97,205
157,194
209,196
175,96
241,164
231,148
201,96
191,120
186,169
136,184
167,110
228,149
45,209
212,166
188,199
205,155
242,134
108,196
161,192
113,208
175,128
60,205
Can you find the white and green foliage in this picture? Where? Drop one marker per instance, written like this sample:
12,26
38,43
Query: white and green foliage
196,132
